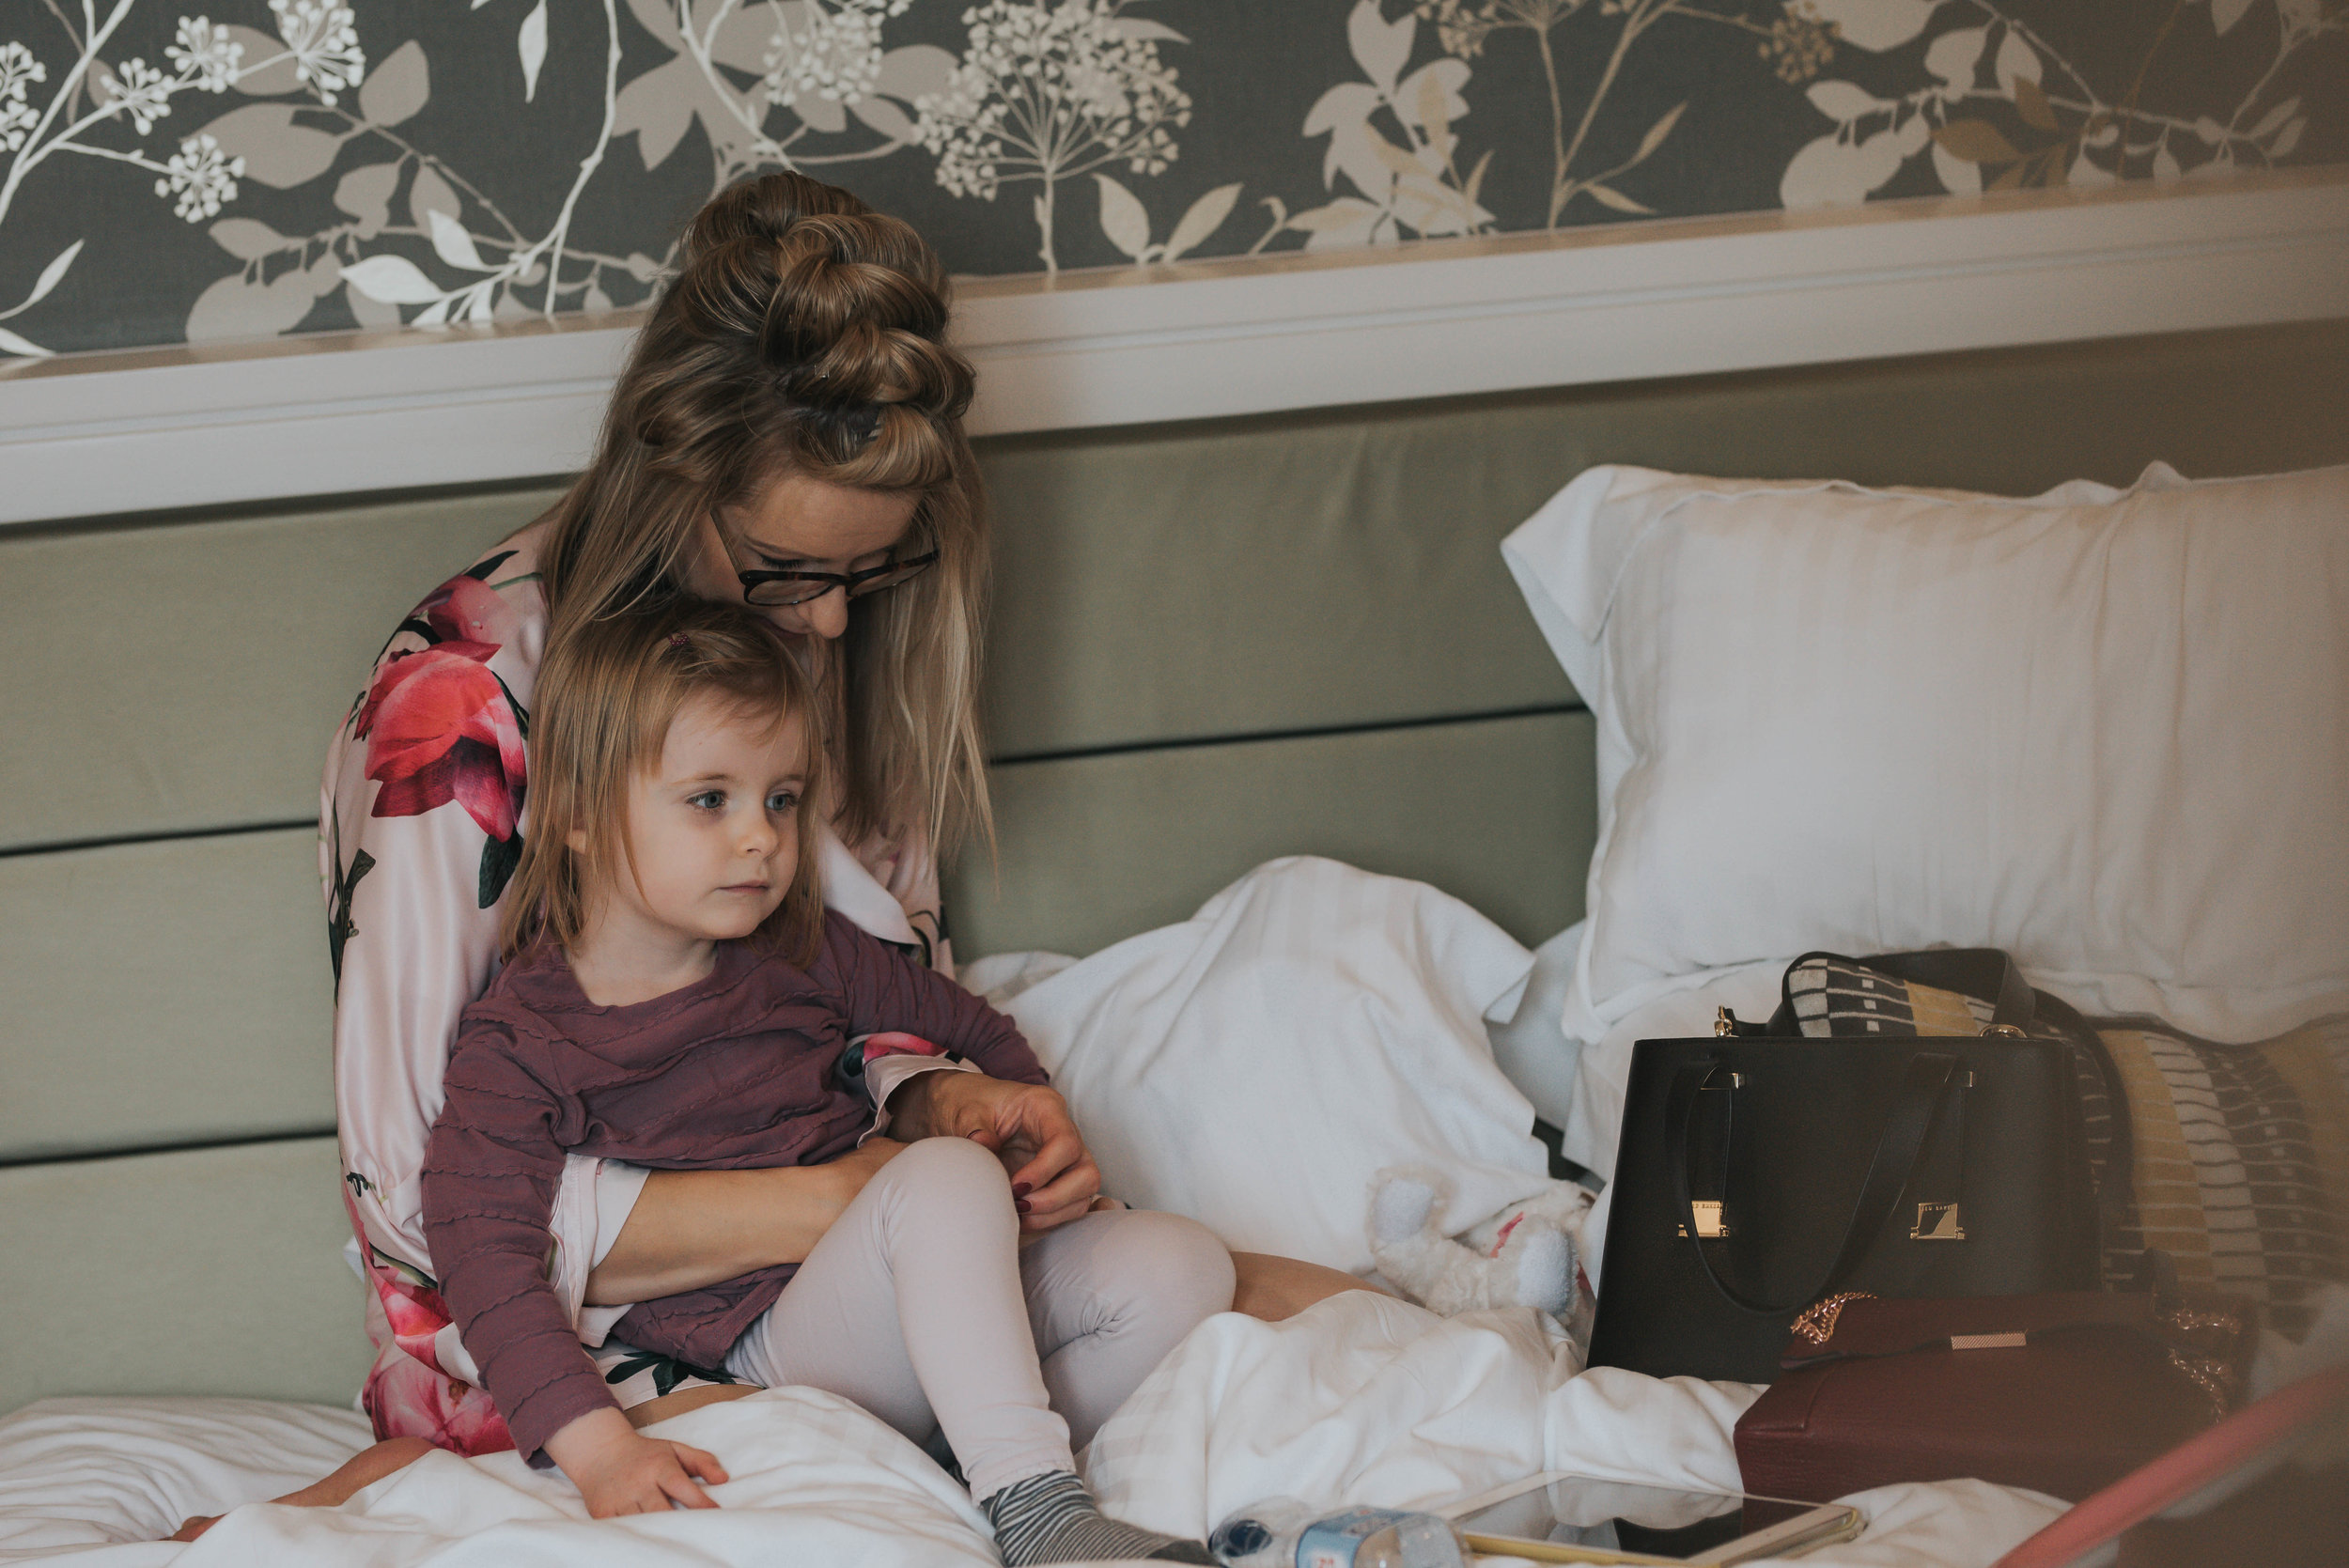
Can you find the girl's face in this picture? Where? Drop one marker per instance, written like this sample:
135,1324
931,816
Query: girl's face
796,523
713,827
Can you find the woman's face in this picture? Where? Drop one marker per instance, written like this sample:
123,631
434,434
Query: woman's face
796,523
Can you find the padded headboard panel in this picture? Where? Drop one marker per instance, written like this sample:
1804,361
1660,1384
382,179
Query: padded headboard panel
1211,644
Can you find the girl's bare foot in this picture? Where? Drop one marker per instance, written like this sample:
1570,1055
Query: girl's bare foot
364,1468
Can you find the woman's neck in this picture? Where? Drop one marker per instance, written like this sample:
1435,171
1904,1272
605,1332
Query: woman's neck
621,959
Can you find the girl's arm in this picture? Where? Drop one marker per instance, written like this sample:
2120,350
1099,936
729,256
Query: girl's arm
883,991
489,1174
488,1177
691,1229
1008,1105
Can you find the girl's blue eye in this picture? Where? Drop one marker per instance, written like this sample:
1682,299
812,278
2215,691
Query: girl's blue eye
782,799
708,800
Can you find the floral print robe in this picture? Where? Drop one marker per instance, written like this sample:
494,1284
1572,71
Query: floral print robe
422,810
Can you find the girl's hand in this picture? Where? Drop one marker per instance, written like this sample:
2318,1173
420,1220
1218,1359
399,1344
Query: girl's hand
619,1472
1052,1175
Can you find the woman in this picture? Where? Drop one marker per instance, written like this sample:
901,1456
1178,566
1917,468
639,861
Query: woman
788,431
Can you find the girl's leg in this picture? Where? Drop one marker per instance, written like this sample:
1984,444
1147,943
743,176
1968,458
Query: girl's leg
1109,1296
911,1305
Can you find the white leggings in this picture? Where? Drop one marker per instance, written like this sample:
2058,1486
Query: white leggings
922,1306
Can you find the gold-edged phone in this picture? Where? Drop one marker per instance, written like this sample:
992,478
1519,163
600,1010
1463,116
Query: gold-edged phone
1561,1517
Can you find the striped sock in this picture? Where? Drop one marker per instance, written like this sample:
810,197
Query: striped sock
1051,1519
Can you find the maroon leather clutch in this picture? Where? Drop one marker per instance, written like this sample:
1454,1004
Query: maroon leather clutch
2064,1393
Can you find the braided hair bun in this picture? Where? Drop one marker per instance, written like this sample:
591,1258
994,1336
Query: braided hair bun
800,313
804,334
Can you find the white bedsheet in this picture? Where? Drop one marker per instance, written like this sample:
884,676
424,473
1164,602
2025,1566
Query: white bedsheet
1362,1398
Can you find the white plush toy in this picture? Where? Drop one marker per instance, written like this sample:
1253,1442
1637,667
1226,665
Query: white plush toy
1524,1256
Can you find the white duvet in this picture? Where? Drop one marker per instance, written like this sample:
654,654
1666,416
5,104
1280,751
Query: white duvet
1360,1399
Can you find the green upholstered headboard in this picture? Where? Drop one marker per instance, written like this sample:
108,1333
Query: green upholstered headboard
1211,644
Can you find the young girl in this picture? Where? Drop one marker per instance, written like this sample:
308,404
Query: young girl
676,996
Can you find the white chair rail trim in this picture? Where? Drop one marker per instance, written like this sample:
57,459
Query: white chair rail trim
334,414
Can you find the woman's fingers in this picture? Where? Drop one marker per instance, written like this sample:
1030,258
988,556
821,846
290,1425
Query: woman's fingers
1056,1155
1027,1125
1036,1224
1068,1197
1039,1118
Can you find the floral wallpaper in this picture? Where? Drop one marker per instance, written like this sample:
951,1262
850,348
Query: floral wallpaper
275,166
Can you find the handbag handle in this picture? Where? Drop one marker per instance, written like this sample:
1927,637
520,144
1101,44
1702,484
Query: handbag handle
1987,973
1990,973
1889,1172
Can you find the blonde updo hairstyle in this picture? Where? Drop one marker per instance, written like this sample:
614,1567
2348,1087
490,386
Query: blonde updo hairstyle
804,334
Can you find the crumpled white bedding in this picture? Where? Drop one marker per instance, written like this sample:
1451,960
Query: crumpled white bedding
1256,1065
1362,1398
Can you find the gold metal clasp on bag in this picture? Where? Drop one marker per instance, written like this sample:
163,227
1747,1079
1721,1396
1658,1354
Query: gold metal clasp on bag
1724,1022
1817,1323
1936,1222
1711,1226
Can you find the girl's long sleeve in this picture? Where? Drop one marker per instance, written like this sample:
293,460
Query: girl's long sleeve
491,1172
884,990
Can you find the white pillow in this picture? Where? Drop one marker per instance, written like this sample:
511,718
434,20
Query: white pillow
2108,731
1256,1065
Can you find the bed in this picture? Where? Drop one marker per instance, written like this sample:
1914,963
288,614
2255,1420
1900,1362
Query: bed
1215,647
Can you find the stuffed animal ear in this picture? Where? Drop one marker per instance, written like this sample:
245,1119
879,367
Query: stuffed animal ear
1404,1201
1544,1271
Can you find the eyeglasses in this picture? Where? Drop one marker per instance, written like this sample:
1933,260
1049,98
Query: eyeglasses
776,590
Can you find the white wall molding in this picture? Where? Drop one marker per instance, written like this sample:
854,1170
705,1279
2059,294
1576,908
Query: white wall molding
335,413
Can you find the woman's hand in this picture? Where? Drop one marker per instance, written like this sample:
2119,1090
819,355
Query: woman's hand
620,1471
1027,1125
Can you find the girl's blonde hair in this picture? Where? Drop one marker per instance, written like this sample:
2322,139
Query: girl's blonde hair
805,334
605,699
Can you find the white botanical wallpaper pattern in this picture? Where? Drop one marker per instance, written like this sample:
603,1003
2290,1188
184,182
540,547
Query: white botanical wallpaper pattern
275,166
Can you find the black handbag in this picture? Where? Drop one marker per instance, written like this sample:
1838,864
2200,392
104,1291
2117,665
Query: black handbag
1760,1173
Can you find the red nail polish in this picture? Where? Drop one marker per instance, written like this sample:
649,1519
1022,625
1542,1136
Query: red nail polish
1020,1189
1023,1206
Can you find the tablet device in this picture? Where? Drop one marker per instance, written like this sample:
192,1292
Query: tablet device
1561,1517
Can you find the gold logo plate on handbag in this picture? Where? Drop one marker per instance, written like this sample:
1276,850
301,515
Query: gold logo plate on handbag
1936,1222
1711,1226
